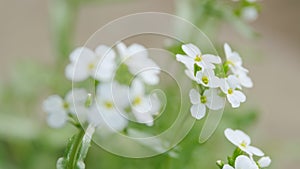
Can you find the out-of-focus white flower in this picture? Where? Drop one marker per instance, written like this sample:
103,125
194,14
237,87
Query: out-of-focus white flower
249,13
136,58
207,78
108,111
244,79
242,141
57,111
194,56
210,99
144,107
230,87
58,108
242,162
264,162
86,63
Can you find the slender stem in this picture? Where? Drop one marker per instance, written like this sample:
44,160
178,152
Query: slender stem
75,149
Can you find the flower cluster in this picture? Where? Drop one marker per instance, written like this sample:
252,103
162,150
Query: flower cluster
214,79
113,103
243,156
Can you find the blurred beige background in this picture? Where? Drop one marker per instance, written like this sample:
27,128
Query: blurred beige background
274,67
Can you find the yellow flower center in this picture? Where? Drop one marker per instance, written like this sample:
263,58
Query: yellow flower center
203,99
244,144
91,66
198,58
230,91
108,104
228,62
205,79
66,105
137,101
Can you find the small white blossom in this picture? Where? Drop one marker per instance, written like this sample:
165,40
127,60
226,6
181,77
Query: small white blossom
58,108
210,99
242,141
144,107
234,60
86,63
136,58
264,162
194,56
244,79
109,110
242,162
249,13
230,87
207,78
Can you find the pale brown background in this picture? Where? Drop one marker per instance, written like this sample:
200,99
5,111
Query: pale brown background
25,33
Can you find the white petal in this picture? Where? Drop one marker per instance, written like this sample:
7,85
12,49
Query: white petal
191,50
244,162
137,88
81,52
208,58
255,151
137,50
245,80
237,137
264,162
187,61
150,77
227,50
241,96
57,119
122,50
194,96
233,82
114,120
226,166
214,101
94,117
145,118
76,74
198,111
105,51
53,103
243,137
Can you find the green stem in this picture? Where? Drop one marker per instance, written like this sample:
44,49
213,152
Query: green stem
75,149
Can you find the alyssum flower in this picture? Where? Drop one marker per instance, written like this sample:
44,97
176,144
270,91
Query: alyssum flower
136,58
86,63
108,111
210,99
144,107
59,108
194,56
242,141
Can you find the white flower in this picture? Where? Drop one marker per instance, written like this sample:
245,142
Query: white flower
234,60
144,107
136,58
242,162
229,86
108,112
207,78
264,162
249,13
194,56
210,99
86,63
242,141
58,108
244,79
